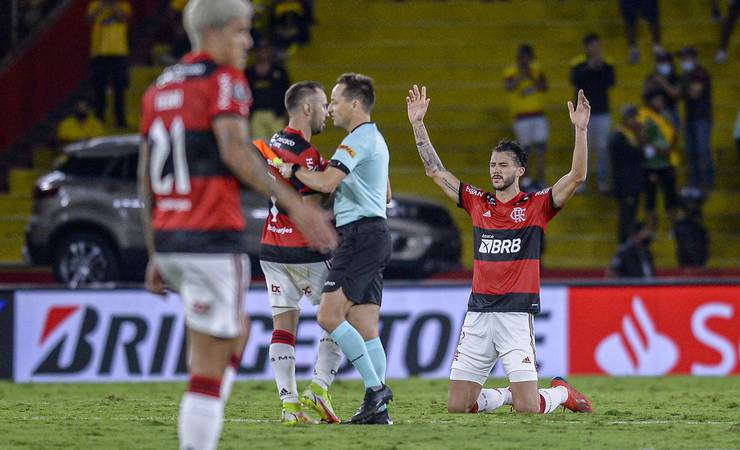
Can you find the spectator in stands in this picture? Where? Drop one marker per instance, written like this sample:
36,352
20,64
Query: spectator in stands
727,27
631,9
290,26
660,156
625,148
692,237
80,125
525,80
109,54
268,81
634,258
697,94
180,44
261,20
595,75
666,81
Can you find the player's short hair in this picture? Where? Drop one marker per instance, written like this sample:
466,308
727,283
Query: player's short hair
520,154
297,93
199,15
358,87
589,38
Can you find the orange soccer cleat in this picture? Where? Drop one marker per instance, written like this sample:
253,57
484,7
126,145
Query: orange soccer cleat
576,401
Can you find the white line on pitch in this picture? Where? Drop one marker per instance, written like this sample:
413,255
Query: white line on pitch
417,422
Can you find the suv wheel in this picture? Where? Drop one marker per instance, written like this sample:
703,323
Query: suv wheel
83,258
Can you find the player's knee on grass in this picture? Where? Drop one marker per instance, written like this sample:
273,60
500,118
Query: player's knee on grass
462,396
525,398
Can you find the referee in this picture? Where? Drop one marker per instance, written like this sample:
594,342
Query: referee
358,175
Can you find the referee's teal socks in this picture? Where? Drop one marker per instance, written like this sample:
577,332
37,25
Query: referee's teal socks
377,356
354,348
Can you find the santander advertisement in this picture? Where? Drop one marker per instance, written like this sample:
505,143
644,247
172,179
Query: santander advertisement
654,330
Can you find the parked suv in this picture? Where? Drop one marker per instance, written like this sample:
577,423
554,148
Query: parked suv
86,222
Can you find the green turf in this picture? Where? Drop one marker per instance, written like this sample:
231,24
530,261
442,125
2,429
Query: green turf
674,412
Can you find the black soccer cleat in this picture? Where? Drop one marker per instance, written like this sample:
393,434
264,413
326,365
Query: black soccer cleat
370,405
379,418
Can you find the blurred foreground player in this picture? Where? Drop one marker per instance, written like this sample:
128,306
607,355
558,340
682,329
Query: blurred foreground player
292,269
194,156
508,228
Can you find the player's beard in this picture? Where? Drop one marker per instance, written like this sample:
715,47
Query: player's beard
317,126
506,182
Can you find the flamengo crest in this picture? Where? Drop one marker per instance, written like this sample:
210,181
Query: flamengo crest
517,214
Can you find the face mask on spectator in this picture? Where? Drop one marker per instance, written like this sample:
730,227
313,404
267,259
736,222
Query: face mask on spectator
663,69
688,65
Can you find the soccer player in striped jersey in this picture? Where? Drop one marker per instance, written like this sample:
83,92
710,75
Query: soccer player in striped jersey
508,227
195,154
292,269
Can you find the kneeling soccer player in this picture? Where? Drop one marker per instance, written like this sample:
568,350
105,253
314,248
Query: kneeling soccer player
508,230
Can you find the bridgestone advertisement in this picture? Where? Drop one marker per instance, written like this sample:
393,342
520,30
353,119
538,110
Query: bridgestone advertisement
118,335
100,336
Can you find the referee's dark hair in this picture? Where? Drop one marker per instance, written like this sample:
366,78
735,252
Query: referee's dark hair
297,93
358,87
506,145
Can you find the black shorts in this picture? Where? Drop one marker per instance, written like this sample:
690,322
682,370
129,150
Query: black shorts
631,9
358,264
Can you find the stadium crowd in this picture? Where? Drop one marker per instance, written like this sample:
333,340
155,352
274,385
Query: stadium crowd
642,154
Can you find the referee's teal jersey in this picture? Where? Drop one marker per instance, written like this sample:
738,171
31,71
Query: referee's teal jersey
363,155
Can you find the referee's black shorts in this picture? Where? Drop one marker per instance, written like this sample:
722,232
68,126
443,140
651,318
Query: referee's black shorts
358,264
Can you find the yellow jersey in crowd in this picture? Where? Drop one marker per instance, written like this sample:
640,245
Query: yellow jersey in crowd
109,33
525,99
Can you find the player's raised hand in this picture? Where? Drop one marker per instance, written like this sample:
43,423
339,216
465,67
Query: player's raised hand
417,103
580,115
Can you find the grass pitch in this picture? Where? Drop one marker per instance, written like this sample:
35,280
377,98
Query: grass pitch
672,412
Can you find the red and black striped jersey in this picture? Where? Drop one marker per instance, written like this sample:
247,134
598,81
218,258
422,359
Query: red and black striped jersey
507,239
281,240
196,204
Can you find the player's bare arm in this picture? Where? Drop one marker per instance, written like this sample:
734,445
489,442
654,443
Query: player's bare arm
388,193
417,104
325,181
153,280
567,185
246,163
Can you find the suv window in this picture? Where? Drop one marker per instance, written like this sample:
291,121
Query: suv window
85,167
123,167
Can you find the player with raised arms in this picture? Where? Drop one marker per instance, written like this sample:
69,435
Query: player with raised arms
195,154
508,227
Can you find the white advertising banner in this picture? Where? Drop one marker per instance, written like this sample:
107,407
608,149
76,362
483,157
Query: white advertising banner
130,335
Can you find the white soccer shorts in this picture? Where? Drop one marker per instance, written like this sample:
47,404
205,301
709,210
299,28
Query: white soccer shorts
212,287
288,283
486,337
531,130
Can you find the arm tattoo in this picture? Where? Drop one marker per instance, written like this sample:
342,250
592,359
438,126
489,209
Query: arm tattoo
450,186
428,155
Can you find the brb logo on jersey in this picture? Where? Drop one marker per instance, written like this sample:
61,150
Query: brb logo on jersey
490,245
517,214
